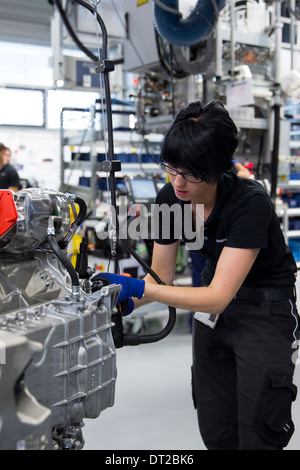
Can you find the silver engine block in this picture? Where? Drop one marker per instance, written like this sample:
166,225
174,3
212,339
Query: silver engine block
57,352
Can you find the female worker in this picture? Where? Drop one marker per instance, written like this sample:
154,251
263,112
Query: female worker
245,330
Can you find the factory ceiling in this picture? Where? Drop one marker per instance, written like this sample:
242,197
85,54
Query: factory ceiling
25,21
29,21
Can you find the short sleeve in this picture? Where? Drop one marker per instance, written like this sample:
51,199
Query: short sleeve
248,225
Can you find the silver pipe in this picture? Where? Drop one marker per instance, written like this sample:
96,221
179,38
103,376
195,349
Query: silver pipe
218,52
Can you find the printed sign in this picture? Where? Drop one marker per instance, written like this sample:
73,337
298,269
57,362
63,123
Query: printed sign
239,93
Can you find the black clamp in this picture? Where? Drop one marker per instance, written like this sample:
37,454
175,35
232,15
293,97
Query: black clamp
110,166
104,65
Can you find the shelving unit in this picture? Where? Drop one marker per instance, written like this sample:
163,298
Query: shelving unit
83,149
292,114
286,213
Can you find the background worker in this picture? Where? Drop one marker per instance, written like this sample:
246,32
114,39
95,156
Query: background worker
246,325
241,170
9,178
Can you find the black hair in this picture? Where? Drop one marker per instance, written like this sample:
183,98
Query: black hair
201,140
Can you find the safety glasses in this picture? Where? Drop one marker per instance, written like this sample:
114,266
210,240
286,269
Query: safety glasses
186,176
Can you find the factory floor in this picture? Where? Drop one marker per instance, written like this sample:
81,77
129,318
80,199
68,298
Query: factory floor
153,407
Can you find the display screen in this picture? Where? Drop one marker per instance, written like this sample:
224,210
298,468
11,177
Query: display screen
143,189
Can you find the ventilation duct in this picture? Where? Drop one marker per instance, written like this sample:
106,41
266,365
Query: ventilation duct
188,31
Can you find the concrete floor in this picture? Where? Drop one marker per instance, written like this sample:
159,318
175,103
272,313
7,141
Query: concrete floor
153,407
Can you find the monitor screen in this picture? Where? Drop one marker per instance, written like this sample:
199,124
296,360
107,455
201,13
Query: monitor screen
143,189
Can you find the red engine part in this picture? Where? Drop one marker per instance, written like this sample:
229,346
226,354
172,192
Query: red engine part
8,211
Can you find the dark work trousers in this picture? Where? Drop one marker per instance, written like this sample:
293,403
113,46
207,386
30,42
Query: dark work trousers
242,376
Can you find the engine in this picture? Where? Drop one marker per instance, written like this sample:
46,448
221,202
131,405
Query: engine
57,352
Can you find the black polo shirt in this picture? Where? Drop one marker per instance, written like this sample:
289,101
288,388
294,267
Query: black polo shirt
9,177
243,217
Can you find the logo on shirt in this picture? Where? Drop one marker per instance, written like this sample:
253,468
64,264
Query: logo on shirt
221,240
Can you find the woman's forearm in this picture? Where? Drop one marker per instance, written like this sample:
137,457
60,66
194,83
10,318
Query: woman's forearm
202,299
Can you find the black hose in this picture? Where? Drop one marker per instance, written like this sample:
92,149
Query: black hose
130,339
141,261
82,210
72,34
75,37
63,259
100,21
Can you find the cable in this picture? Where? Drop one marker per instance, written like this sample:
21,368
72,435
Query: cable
64,259
72,34
131,339
128,37
65,262
77,222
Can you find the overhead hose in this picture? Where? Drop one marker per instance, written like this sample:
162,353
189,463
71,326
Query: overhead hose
71,32
188,31
73,35
129,339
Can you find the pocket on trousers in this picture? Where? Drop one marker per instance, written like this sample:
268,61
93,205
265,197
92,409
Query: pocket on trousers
273,421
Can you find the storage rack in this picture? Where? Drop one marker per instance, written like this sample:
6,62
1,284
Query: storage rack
83,150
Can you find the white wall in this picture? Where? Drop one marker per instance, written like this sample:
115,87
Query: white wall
35,152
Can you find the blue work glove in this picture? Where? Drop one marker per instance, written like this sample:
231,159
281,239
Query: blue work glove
131,287
126,307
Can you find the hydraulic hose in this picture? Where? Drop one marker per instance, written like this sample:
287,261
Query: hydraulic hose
82,210
66,263
73,35
132,339
71,32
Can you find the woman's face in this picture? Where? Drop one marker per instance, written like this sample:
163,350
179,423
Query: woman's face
188,190
6,156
